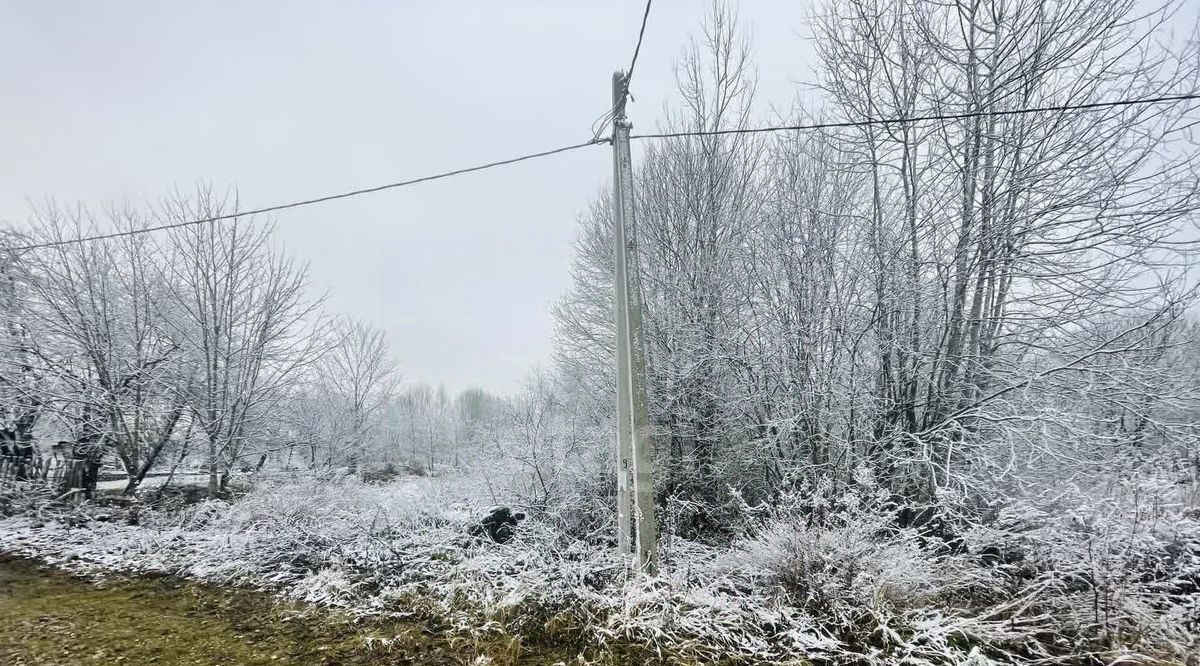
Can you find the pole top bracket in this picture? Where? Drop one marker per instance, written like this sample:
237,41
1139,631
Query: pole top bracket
620,94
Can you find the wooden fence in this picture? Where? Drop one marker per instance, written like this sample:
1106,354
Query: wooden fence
55,472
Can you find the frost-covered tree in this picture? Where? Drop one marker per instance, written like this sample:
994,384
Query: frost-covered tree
112,364
916,297
20,378
244,323
358,379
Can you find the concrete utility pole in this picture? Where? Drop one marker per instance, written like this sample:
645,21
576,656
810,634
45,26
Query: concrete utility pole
638,530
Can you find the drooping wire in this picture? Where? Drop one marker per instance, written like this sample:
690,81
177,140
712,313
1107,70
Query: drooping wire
309,202
602,122
596,140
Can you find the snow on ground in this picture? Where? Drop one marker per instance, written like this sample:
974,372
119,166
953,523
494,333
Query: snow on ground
118,485
404,548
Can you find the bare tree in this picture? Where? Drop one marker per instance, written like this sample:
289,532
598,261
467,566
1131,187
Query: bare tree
916,298
360,377
243,320
20,378
1030,226
100,311
418,404
476,412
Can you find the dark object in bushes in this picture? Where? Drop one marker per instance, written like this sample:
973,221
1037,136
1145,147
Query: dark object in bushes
500,524
384,474
180,496
936,531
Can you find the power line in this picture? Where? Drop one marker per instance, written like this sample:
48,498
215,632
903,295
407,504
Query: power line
915,119
637,49
601,123
597,141
308,202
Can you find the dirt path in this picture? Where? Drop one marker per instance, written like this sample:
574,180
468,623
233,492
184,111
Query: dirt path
47,617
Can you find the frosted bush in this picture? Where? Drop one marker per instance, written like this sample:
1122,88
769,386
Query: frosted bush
837,570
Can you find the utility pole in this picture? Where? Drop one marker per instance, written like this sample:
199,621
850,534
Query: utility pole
638,530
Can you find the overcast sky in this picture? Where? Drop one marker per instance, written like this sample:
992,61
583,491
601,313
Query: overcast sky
122,101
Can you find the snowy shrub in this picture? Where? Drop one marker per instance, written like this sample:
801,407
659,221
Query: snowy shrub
838,570
1117,571
19,497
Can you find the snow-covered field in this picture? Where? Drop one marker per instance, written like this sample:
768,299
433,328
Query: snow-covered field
404,548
